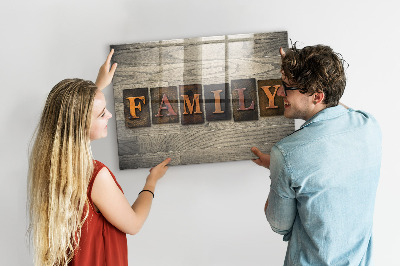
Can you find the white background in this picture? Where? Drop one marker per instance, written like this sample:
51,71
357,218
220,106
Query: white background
209,214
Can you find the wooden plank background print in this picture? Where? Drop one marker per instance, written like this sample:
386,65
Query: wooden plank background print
198,100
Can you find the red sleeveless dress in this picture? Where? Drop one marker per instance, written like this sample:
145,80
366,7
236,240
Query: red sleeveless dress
101,243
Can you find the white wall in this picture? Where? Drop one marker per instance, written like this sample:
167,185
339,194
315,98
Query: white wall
208,214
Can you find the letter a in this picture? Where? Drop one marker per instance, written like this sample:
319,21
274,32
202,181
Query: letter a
167,106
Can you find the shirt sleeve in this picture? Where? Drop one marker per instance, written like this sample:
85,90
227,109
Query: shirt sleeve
281,210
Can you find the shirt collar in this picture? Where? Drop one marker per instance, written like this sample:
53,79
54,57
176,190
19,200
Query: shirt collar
326,114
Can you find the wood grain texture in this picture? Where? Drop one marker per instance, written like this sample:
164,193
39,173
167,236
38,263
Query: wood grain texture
205,61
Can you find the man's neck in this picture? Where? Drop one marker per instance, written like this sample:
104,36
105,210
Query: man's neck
318,108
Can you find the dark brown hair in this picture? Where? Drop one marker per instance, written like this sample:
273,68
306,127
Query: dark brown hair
316,69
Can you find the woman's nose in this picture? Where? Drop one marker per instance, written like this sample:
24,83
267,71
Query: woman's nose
109,114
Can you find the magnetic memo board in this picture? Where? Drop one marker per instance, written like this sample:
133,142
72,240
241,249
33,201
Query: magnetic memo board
198,100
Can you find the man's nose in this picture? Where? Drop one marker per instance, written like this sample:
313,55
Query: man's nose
280,91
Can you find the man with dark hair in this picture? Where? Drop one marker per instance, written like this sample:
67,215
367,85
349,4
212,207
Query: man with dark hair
324,175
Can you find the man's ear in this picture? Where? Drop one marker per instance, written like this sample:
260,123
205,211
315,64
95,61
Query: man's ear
318,97
282,52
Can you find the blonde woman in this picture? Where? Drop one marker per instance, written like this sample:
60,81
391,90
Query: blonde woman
78,212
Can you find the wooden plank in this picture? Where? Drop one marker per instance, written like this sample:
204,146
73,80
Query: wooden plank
189,140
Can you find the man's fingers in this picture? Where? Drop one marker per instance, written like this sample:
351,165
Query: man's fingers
257,161
256,151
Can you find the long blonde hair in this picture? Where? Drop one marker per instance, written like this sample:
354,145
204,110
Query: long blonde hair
60,168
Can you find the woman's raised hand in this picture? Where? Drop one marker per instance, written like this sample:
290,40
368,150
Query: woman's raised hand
106,73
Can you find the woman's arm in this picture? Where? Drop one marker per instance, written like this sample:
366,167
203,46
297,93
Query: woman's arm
114,206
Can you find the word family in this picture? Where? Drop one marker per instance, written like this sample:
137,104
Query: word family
250,99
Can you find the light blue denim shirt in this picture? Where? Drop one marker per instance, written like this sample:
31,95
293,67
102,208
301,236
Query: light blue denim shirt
323,183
